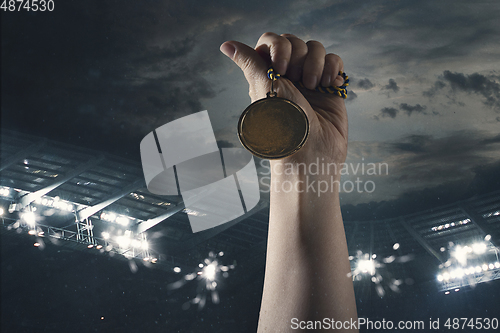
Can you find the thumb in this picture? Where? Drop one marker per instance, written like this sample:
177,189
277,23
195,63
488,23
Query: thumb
254,67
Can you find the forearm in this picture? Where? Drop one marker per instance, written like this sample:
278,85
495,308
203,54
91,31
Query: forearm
307,269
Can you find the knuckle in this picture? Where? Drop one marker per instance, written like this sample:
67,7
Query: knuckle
314,43
269,34
333,58
280,45
274,41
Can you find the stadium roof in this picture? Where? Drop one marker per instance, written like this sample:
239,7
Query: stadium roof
84,198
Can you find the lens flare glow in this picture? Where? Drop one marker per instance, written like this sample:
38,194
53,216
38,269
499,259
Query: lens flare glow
208,276
29,218
366,266
479,248
210,271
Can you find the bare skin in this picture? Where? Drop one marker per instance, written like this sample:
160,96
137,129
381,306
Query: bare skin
307,269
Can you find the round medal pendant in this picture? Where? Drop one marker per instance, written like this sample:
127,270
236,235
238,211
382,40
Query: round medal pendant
273,128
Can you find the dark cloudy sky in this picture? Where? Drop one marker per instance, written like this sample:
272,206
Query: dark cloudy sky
424,97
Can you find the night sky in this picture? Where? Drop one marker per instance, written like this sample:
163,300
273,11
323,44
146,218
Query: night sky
424,95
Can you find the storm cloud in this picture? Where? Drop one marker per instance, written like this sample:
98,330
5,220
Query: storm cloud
365,84
478,84
389,112
409,109
487,88
392,85
102,74
454,166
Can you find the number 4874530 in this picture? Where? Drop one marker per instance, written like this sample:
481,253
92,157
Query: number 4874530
471,323
27,5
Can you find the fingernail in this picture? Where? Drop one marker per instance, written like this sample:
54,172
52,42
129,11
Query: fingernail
228,49
339,80
310,81
325,81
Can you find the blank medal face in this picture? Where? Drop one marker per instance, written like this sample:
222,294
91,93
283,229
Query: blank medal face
273,128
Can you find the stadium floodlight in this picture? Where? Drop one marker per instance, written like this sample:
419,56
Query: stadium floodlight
29,218
460,253
1,211
64,206
114,218
459,273
122,220
479,248
12,208
4,191
123,241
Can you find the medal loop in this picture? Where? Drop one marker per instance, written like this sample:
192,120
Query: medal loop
340,91
273,77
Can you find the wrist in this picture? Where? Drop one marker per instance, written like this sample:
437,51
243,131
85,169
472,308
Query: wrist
304,198
319,177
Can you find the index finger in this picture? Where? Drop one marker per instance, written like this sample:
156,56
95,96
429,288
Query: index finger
276,49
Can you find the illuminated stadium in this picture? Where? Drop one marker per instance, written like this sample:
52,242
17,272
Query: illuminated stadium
59,197
128,202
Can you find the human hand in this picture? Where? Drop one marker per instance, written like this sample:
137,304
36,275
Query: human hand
299,61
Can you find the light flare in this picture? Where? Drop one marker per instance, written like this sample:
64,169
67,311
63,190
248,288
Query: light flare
208,276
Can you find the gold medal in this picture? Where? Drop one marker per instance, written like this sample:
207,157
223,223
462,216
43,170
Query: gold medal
273,127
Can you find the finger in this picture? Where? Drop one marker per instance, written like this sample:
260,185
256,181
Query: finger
247,58
288,35
277,48
339,81
314,64
297,58
333,65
